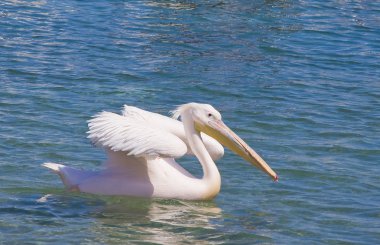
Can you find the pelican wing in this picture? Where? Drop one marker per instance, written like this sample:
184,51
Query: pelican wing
133,136
172,126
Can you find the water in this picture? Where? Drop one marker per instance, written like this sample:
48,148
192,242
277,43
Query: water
298,80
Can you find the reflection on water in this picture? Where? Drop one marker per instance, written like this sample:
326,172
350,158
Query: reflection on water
112,219
157,221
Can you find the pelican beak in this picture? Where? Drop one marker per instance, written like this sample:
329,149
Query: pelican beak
219,131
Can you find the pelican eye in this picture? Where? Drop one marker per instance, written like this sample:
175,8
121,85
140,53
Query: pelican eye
209,115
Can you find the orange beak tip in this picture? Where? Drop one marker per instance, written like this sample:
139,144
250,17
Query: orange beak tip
276,178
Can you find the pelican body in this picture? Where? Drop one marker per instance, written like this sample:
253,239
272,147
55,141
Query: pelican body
142,147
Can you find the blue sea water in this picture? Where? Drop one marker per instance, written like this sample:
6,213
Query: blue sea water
298,80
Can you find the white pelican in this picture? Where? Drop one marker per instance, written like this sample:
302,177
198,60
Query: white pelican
142,146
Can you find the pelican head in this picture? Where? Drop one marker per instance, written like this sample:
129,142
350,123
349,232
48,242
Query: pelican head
209,121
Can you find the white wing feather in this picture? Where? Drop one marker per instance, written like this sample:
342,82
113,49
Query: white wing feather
172,126
133,136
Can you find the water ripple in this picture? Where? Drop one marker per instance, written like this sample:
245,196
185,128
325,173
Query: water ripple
298,80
